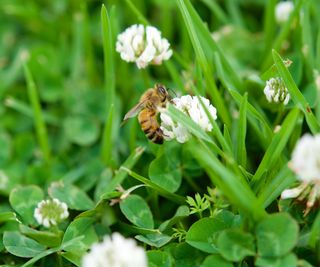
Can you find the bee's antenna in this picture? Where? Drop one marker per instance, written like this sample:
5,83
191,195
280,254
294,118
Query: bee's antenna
172,91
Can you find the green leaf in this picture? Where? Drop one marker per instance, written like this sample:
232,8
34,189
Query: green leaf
23,205
161,191
155,240
73,196
276,235
160,258
165,171
182,211
21,246
82,226
81,130
7,216
235,245
216,260
137,211
204,233
73,257
46,238
289,260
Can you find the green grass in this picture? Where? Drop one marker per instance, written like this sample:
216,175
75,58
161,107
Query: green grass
65,90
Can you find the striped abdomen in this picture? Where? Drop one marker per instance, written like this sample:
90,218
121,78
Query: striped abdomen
150,126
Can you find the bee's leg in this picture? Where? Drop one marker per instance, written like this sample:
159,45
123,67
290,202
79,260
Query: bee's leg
160,132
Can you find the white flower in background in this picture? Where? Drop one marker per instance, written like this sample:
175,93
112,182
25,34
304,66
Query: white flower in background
305,163
115,251
283,11
191,106
143,46
51,212
276,91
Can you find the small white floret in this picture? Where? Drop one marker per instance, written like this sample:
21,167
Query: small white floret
115,251
191,106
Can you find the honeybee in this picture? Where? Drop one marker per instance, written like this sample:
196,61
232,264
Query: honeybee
147,110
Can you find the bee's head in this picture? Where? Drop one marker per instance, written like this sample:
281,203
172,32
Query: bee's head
162,89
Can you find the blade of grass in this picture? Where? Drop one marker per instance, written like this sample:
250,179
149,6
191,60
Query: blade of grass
314,237
295,94
285,31
241,134
76,65
24,109
89,52
136,11
317,77
238,193
269,25
121,174
109,84
210,46
175,75
216,130
274,188
108,53
106,146
203,61
40,126
217,11
254,116
278,143
307,40
235,14
317,63
162,192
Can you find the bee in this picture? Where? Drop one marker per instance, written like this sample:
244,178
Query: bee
147,111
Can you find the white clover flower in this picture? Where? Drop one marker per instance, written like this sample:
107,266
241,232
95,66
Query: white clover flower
191,106
305,163
51,212
283,11
276,91
305,160
115,251
143,46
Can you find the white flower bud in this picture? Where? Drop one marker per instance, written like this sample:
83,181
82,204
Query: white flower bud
276,91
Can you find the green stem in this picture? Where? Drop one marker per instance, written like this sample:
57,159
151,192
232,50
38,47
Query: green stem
40,126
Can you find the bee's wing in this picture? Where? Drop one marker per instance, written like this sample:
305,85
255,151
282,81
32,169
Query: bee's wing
134,111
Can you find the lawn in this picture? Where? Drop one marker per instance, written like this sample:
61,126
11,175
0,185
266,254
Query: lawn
164,133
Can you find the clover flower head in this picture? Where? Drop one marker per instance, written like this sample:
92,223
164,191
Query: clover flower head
51,212
276,91
283,11
191,106
305,160
143,45
115,251
305,163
